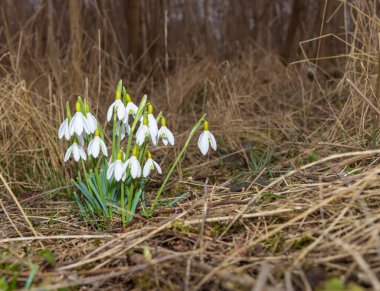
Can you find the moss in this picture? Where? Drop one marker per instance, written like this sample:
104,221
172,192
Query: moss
302,242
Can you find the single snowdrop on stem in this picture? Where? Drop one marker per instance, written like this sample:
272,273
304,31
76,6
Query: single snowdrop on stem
152,124
133,164
206,139
165,134
143,132
78,123
131,108
77,151
95,145
150,165
91,120
117,168
118,104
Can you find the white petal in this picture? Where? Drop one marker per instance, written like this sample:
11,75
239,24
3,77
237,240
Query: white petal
212,141
62,129
170,136
158,168
152,123
135,168
110,111
141,135
91,122
146,169
203,143
82,153
119,170
120,109
85,124
89,148
68,153
96,147
111,168
103,147
76,152
78,123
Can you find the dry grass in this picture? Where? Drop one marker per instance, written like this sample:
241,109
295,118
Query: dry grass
308,219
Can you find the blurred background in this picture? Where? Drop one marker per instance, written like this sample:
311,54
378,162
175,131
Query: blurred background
267,73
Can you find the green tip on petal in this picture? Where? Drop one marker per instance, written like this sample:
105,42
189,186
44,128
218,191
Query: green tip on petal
149,155
163,121
119,155
97,132
150,108
77,106
205,125
145,120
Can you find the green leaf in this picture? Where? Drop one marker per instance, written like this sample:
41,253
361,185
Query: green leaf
48,257
33,271
175,200
134,205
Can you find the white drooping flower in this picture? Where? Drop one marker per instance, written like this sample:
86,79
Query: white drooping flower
77,151
118,104
78,123
144,131
133,164
165,134
130,109
150,164
152,124
116,169
95,145
91,120
206,139
64,130
125,129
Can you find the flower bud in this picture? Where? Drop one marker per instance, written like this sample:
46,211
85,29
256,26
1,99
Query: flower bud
97,132
150,108
205,125
78,106
163,121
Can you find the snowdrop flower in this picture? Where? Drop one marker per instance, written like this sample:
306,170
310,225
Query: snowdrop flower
78,123
118,104
125,128
144,132
91,120
150,165
77,151
130,109
64,130
133,164
165,134
96,144
152,124
117,168
205,139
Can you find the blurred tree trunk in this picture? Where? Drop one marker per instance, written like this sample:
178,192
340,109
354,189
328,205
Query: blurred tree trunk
132,14
76,41
294,24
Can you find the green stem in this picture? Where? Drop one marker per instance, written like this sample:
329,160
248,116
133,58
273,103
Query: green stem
196,126
85,175
114,134
122,204
130,196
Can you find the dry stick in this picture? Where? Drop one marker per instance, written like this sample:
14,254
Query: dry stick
59,237
270,185
281,227
332,225
10,220
360,260
262,277
19,207
363,96
244,216
132,245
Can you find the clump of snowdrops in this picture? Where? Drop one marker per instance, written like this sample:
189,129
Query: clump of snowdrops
112,180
